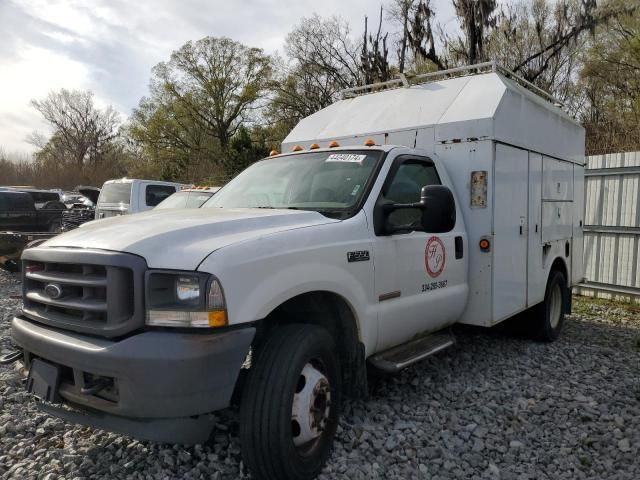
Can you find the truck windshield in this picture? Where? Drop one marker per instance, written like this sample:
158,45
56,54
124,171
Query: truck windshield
115,193
327,182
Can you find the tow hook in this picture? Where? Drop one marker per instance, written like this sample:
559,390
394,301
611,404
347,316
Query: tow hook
9,358
95,387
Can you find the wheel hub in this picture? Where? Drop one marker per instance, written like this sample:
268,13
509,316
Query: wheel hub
311,405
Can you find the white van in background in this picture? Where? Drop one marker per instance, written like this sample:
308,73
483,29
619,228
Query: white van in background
128,195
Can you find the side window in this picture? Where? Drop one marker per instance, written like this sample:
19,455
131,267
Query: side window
154,194
405,187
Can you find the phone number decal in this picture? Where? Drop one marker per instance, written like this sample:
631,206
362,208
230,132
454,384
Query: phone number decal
427,287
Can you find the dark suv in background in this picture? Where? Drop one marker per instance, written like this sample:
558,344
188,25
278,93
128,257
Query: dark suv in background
21,223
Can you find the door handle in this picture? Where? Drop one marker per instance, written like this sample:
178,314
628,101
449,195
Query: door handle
520,229
459,247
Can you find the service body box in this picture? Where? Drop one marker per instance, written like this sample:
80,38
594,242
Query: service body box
516,164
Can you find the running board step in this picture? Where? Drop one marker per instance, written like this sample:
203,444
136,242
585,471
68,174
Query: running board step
397,358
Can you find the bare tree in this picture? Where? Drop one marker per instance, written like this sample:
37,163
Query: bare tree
323,60
375,55
83,132
537,39
400,11
325,43
421,35
476,17
559,29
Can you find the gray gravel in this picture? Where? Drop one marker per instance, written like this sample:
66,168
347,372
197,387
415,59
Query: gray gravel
493,407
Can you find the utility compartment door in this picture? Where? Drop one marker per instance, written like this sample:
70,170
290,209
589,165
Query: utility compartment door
557,180
557,221
536,279
510,225
577,252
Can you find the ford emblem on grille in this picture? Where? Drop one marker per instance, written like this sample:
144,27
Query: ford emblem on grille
53,291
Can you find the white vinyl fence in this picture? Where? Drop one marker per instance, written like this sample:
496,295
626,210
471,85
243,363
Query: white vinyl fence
612,226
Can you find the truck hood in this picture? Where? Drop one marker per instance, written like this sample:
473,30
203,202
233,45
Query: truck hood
182,238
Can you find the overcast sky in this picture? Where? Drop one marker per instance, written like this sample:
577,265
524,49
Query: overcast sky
110,46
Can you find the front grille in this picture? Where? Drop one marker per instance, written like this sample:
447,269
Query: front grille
96,292
75,217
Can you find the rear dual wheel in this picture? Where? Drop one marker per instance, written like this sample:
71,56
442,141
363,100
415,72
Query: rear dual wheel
548,317
290,404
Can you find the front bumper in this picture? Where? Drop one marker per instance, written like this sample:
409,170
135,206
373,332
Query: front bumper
157,376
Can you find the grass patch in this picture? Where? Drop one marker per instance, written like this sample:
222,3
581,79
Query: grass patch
583,305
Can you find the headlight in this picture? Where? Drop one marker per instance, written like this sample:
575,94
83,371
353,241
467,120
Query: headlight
190,299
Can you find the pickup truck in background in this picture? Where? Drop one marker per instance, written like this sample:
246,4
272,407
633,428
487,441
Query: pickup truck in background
21,223
128,195
393,214
44,199
81,211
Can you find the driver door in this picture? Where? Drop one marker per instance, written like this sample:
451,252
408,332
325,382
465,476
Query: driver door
418,277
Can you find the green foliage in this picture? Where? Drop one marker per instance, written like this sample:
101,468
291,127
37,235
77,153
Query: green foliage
199,102
245,150
610,80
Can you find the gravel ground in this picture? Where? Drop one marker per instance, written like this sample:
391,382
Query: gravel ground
494,406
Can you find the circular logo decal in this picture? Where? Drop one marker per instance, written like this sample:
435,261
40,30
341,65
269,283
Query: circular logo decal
434,257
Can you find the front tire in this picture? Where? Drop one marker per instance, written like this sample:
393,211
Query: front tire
549,316
290,404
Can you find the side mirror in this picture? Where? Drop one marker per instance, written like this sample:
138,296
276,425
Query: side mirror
437,213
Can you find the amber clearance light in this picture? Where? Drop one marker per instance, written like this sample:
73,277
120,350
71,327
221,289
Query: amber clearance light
334,144
296,148
485,245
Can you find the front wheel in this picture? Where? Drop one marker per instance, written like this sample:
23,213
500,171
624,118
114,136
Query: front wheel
290,404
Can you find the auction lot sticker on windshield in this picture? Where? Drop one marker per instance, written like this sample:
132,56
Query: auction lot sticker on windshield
346,158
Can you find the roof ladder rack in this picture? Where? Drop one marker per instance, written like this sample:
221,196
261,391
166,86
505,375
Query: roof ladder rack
406,80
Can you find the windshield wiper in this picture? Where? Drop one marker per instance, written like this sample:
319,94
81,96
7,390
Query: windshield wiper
327,212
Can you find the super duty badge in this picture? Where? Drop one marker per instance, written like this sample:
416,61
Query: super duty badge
358,256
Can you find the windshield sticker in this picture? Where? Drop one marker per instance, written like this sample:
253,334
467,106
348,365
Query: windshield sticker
345,158
355,190
434,257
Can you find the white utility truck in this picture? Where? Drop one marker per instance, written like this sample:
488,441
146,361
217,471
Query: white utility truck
393,214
